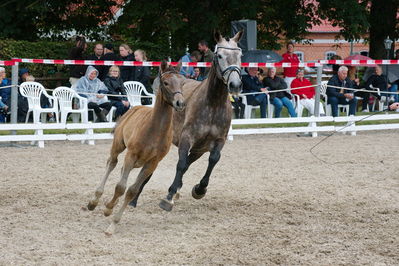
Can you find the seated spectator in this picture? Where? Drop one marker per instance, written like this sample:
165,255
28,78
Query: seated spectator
251,84
114,83
5,94
142,74
239,107
306,95
92,88
126,54
340,95
196,73
188,72
281,98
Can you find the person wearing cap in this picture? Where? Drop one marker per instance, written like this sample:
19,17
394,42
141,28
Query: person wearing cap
252,84
109,55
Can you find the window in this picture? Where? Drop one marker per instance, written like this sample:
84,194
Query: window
329,54
301,55
365,53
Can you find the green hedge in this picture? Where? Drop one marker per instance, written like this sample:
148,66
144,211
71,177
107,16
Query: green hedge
59,50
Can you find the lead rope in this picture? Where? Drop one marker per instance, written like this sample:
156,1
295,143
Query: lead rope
348,125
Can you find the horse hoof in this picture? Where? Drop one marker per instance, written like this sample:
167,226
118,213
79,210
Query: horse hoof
91,206
107,212
110,230
166,205
198,194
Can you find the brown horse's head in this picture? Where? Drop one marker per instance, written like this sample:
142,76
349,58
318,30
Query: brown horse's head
227,61
170,84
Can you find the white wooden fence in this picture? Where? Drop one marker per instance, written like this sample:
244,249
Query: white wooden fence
88,136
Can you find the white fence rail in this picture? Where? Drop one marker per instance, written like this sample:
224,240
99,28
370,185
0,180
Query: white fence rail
88,136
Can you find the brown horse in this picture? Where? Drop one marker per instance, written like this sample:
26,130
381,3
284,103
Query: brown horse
205,123
147,134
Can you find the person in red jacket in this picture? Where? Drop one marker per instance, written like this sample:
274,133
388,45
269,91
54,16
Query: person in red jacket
306,94
290,57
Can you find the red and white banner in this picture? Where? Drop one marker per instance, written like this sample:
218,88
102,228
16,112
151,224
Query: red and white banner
199,64
7,63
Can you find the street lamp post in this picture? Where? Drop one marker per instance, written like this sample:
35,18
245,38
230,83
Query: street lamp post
387,43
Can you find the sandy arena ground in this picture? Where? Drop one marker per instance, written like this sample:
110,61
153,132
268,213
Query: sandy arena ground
269,202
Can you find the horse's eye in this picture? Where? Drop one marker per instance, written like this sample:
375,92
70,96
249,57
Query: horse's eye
165,83
219,56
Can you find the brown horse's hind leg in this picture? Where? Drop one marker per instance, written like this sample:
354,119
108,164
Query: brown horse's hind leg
199,190
112,161
133,193
128,165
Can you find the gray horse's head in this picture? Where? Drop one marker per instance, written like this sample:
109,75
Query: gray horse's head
228,61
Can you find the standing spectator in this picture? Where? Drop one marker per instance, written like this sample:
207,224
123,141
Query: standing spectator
108,56
126,54
306,95
207,56
92,88
281,98
290,57
98,52
76,53
114,83
251,84
395,84
142,73
188,72
340,95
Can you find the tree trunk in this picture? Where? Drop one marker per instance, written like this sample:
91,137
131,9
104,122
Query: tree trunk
382,24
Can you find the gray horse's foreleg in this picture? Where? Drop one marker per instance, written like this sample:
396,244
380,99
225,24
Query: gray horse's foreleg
199,190
184,162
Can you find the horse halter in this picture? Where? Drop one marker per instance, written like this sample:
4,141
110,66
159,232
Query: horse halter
231,69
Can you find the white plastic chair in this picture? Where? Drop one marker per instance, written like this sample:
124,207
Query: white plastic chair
327,107
33,91
133,93
65,96
249,108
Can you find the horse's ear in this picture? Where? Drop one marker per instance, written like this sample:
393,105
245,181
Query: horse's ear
238,36
218,37
163,66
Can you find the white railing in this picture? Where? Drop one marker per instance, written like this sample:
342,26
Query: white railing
313,127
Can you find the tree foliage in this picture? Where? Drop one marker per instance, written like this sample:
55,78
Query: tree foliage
180,24
167,28
30,20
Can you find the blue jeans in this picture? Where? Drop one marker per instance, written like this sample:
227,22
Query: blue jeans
278,106
120,108
394,88
261,100
334,101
